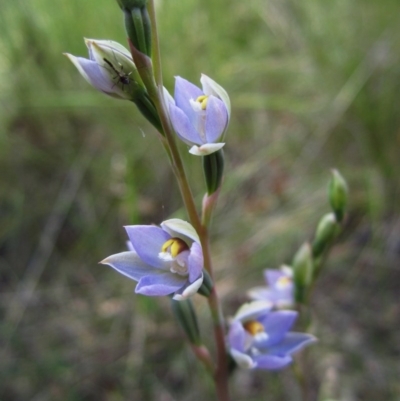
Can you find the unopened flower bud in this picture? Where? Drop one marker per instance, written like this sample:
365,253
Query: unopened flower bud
337,192
326,231
303,271
186,316
213,167
137,24
131,3
207,285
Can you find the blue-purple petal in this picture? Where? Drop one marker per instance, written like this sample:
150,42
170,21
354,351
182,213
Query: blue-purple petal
272,276
276,325
183,126
260,293
237,336
271,362
129,264
161,284
292,342
184,91
196,262
148,241
95,75
216,119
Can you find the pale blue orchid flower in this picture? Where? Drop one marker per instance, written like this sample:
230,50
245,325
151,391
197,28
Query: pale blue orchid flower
165,260
279,289
260,339
200,117
109,68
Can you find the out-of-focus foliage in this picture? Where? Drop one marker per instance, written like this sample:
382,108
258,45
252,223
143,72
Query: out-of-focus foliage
314,85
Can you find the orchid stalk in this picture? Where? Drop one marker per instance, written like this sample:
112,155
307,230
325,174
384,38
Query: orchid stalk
173,259
221,373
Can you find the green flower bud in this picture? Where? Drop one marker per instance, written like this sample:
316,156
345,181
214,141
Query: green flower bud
213,167
186,316
337,193
137,24
303,271
326,231
207,285
129,4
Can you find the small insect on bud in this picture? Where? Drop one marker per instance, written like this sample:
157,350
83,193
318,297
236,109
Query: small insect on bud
110,69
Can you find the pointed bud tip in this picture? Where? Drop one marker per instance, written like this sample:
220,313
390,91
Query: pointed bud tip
337,194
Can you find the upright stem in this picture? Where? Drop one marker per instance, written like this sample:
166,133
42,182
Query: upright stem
221,374
158,99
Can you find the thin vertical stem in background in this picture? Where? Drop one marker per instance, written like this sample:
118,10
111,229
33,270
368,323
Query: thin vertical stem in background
221,375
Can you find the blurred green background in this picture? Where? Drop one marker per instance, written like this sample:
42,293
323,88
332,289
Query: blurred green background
314,85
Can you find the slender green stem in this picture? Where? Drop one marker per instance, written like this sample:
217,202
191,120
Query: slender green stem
221,373
158,99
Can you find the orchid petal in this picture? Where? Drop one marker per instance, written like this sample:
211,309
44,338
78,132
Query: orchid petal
188,291
129,264
272,276
110,45
292,342
181,229
184,92
216,119
196,262
252,310
168,99
237,336
272,362
90,70
206,149
147,242
160,284
183,126
276,324
243,361
92,73
210,87
260,293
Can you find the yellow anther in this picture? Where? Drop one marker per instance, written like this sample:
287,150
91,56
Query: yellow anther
253,327
166,245
203,99
174,246
284,281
